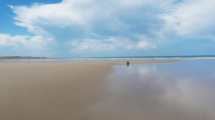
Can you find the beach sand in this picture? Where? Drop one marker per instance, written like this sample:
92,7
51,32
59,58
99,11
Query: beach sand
49,90
105,90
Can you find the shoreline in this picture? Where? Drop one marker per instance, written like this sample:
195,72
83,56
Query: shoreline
112,61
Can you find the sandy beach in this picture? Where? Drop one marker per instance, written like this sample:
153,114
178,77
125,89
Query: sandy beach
49,91
92,91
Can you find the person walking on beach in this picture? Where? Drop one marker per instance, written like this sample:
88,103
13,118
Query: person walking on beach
127,63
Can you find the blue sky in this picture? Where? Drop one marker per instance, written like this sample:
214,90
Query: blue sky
86,28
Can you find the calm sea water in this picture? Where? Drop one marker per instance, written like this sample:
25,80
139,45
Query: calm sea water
175,91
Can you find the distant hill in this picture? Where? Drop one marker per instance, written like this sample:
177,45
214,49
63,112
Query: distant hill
22,57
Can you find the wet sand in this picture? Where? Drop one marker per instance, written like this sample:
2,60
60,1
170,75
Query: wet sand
105,90
49,91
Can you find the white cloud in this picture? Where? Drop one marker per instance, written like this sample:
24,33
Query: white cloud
186,17
143,45
23,40
192,17
80,12
110,44
33,17
110,19
25,45
87,14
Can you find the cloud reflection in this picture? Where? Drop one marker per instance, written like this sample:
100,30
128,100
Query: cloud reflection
158,92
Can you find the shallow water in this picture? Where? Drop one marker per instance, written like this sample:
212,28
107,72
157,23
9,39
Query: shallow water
175,91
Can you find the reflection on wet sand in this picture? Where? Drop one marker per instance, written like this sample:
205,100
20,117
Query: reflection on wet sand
107,91
180,91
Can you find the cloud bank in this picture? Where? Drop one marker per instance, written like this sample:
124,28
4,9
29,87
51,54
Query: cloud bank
99,25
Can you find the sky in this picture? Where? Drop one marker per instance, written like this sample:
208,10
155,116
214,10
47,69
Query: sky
106,28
